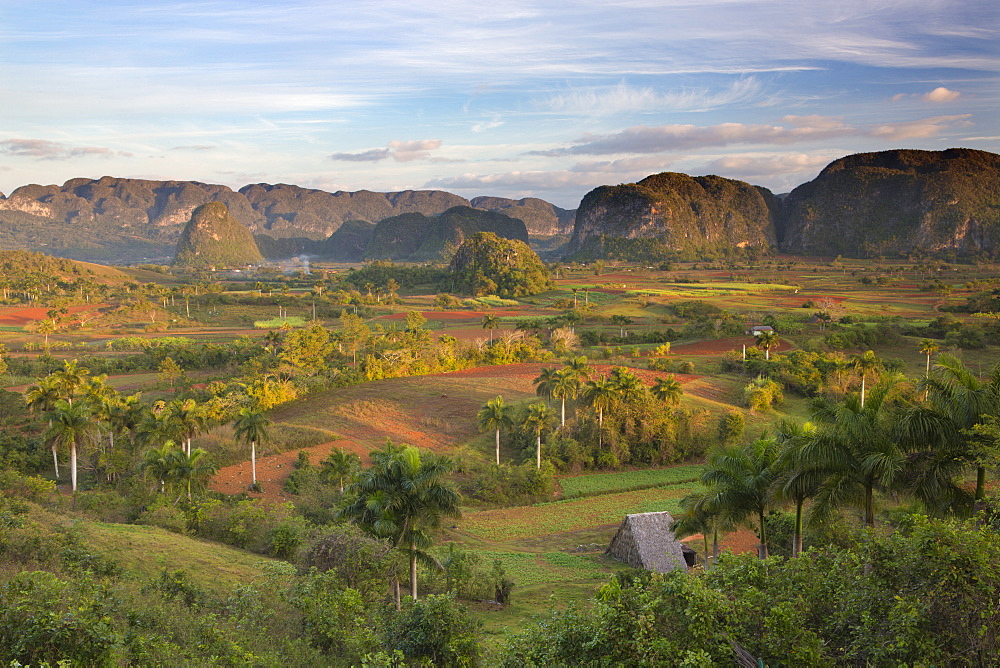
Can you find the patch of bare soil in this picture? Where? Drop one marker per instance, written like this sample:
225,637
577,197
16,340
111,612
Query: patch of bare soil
273,471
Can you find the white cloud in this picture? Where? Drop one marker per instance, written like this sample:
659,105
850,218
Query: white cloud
624,99
748,166
941,94
920,129
400,151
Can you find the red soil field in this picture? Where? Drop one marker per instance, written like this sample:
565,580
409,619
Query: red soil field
18,317
273,470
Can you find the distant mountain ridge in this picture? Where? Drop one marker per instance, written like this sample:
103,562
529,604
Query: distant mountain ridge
124,220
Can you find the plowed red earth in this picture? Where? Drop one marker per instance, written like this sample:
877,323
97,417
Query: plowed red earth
737,542
718,346
273,470
18,317
391,422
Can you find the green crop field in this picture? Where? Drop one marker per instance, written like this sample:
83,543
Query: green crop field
604,483
572,515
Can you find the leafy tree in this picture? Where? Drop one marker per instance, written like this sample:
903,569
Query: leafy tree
340,465
495,415
538,418
765,341
565,385
799,478
487,264
159,463
622,321
668,390
740,479
490,322
600,394
627,384
251,427
866,363
856,448
42,398
545,382
71,426
403,496
191,468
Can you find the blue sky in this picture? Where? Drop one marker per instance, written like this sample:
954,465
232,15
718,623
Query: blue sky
515,99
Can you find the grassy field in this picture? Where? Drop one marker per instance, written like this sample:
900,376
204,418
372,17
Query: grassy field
626,481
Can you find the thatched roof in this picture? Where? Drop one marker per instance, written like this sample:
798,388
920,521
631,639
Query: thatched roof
645,541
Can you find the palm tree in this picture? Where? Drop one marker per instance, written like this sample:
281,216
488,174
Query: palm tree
403,496
251,427
963,400
42,398
798,478
71,425
767,340
928,347
622,321
668,390
70,379
627,384
159,463
539,417
339,464
565,385
191,467
700,514
601,394
740,479
579,367
856,448
866,363
490,322
189,418
544,382
495,415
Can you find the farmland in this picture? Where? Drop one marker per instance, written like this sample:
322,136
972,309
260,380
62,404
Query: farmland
419,374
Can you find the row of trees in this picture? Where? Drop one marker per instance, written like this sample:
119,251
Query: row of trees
918,440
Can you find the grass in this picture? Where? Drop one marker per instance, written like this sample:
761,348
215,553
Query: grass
145,551
507,524
275,323
627,481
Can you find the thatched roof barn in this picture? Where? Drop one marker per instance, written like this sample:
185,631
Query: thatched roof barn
645,541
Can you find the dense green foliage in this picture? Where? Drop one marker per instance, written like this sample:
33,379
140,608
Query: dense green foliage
213,238
925,594
486,264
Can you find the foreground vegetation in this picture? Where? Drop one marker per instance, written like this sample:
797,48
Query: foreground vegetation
858,443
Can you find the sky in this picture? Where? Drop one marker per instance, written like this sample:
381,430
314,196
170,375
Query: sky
504,98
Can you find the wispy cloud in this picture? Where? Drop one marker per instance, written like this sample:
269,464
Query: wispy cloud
43,149
624,98
400,151
795,129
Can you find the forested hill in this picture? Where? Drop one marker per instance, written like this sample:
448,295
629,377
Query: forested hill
127,220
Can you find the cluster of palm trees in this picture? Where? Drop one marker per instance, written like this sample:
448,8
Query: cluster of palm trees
402,498
573,380
83,412
920,442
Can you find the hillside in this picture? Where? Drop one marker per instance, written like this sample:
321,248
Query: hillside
416,237
672,212
213,238
894,202
118,220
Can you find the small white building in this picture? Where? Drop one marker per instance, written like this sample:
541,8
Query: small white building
757,330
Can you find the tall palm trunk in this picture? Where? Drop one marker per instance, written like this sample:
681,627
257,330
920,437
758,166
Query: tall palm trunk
498,447
797,541
980,483
253,463
413,570
762,548
563,422
72,463
538,450
869,506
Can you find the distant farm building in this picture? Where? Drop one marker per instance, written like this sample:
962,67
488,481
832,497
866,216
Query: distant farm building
645,540
757,330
